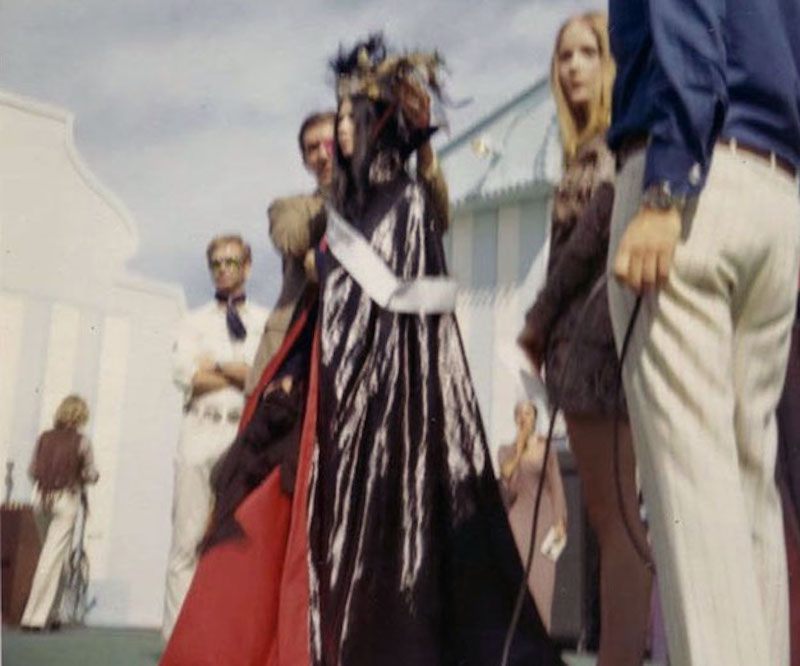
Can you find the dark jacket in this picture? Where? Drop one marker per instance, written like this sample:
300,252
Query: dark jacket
296,225
62,461
578,251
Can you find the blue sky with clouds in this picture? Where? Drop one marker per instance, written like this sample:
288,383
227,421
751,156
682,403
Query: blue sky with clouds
188,109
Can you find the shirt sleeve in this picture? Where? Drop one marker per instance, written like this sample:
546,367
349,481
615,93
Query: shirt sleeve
256,323
185,350
296,223
689,89
89,473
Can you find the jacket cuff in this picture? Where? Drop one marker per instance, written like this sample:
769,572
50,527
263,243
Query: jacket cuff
534,334
674,166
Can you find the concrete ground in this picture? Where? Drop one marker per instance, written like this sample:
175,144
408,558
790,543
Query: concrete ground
94,646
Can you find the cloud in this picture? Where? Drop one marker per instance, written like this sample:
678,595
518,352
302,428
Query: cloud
188,109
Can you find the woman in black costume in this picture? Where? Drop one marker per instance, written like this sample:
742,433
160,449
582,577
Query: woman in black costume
357,518
412,558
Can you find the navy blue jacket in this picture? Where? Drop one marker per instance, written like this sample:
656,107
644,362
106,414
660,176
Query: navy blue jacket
690,72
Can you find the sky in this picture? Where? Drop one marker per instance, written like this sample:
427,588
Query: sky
188,110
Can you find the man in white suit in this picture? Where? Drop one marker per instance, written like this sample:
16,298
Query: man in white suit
212,357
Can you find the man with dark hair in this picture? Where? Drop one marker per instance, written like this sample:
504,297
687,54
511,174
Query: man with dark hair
706,126
315,140
211,359
296,225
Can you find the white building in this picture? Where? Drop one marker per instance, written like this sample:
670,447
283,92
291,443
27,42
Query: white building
73,319
501,173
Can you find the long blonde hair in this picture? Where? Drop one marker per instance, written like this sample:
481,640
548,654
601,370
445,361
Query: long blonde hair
73,412
573,137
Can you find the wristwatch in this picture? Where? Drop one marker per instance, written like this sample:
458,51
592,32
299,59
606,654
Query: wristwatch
659,196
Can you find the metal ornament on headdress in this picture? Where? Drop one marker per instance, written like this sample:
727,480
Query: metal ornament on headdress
378,80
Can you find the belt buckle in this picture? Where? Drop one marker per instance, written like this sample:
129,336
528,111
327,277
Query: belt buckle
212,414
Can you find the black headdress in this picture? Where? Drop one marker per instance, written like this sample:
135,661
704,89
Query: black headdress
390,80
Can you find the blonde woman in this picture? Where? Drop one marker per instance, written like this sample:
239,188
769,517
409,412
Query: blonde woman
62,464
558,328
522,469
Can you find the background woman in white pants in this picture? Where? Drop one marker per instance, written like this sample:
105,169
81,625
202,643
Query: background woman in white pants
62,464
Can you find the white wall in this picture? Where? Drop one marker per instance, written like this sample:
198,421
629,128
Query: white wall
72,319
490,308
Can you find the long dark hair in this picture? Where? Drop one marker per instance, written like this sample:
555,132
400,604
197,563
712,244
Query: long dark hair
350,183
375,132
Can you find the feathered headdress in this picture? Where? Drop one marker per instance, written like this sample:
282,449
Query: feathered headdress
369,70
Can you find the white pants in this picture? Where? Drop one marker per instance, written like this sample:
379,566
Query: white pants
202,443
703,377
62,515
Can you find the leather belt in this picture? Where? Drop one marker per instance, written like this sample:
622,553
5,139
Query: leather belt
216,415
634,144
771,158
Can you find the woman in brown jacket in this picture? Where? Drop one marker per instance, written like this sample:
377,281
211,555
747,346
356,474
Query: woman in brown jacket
576,345
62,464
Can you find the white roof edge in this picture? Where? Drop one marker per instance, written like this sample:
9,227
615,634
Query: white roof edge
531,91
67,118
138,282
533,188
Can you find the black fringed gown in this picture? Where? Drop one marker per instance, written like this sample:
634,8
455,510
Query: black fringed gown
370,532
412,558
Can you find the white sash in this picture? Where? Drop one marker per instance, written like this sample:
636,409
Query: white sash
423,295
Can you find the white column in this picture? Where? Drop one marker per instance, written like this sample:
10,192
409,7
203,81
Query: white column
504,385
107,432
62,350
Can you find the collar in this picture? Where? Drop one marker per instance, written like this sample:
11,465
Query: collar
234,300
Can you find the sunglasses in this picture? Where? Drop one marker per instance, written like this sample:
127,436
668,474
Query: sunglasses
226,262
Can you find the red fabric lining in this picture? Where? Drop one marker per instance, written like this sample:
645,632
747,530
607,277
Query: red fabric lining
272,368
248,603
293,625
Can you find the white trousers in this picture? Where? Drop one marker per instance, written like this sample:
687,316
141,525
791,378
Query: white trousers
202,443
703,376
62,515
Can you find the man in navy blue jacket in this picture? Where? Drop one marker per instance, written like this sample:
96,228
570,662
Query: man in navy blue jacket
706,227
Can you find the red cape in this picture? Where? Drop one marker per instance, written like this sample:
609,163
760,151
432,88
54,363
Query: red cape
248,602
